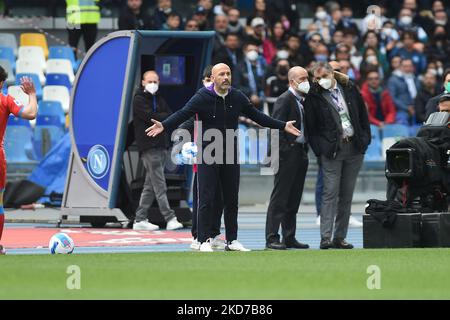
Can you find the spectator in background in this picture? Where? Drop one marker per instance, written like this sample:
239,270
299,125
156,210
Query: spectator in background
208,10
293,44
350,39
321,53
441,19
371,40
388,37
234,25
347,21
338,37
257,31
231,55
371,62
323,21
173,22
403,86
201,16
259,11
346,68
380,106
408,38
439,46
251,78
221,28
275,41
192,25
82,21
405,23
133,17
278,83
420,18
315,40
444,103
223,7
284,11
432,105
375,21
336,18
427,91
162,11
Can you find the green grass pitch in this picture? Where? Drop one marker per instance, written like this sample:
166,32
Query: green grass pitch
313,274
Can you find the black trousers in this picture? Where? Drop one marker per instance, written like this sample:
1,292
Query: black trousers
89,33
210,177
217,211
287,194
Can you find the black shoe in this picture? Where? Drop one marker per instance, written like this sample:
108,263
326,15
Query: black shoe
296,245
326,244
341,244
275,245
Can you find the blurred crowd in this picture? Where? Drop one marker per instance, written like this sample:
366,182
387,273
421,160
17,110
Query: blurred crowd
397,53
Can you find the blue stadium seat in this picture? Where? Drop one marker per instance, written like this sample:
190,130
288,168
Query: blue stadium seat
52,108
18,144
7,53
375,132
58,79
62,52
45,137
36,81
373,152
395,130
46,120
14,121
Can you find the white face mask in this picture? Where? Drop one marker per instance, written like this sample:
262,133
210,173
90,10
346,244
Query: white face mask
151,87
252,55
303,87
406,20
282,54
371,60
387,32
326,83
321,15
440,22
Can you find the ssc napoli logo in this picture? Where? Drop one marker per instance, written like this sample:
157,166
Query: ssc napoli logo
98,161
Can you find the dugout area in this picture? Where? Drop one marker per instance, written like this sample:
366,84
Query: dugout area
105,175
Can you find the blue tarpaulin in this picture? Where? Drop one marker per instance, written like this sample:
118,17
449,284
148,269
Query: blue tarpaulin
52,170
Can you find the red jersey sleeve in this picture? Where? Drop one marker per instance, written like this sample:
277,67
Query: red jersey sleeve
14,106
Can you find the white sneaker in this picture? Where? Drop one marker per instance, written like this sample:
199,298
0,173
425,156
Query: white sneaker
206,246
145,225
217,244
318,221
195,245
355,222
235,246
173,224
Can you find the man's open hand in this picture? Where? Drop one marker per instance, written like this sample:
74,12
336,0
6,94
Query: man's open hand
292,129
155,129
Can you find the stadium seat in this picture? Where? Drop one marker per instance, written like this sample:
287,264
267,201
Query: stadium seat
8,68
45,137
15,121
375,132
9,40
373,152
52,108
30,66
7,53
18,144
47,120
5,90
18,94
395,130
36,81
63,52
33,53
34,39
61,66
414,129
58,79
58,93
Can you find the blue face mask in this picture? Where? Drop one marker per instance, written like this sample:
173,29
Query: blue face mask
321,57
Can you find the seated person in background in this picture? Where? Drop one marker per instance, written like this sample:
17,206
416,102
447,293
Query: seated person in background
427,91
444,103
381,107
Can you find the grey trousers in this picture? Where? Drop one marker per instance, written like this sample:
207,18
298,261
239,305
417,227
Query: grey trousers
155,185
339,179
